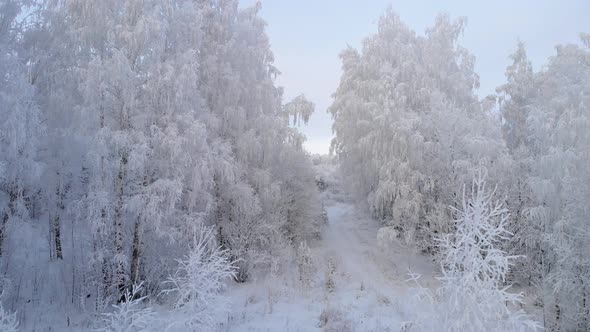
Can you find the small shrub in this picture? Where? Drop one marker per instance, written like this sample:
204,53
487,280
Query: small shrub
130,315
333,320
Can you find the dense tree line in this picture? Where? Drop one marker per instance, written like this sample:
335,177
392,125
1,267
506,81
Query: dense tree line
410,131
146,155
127,127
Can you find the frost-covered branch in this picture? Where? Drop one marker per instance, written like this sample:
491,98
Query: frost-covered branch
474,267
195,287
133,314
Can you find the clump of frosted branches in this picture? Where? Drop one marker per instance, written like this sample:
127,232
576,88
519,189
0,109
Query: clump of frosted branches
473,295
8,320
474,268
132,314
196,285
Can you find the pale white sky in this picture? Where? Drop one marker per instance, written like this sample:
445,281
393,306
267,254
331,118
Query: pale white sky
307,35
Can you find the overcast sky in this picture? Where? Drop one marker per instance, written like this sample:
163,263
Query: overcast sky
307,35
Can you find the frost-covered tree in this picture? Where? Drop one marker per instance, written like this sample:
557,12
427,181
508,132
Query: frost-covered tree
263,192
560,124
20,123
514,102
408,125
121,74
474,267
300,109
295,112
546,124
515,97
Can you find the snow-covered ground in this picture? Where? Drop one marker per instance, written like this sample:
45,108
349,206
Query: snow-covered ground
359,282
369,292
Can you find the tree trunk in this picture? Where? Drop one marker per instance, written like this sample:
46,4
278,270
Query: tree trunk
103,293
219,213
120,274
57,220
5,217
584,324
57,234
135,259
557,317
242,273
3,230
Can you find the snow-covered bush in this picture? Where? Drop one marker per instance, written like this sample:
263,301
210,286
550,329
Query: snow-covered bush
131,315
195,287
8,320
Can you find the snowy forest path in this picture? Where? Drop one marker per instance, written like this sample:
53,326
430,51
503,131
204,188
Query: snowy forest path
350,240
358,284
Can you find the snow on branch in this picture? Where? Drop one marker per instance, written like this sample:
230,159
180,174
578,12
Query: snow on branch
474,268
195,286
132,314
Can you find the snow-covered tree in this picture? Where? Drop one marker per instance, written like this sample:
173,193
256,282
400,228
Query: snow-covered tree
300,109
474,267
263,196
295,112
20,123
561,127
515,97
547,126
408,125
514,102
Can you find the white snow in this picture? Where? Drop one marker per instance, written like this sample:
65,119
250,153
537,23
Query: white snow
370,292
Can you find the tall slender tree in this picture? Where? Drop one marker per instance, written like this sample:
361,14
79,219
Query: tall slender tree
20,123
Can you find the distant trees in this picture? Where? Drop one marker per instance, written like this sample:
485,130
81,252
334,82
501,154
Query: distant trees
547,124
